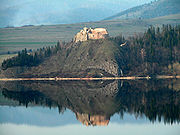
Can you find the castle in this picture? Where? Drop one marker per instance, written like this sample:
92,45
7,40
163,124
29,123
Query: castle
89,33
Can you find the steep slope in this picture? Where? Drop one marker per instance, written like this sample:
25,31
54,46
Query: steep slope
151,10
90,58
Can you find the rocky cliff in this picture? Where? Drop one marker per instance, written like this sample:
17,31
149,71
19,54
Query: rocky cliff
89,33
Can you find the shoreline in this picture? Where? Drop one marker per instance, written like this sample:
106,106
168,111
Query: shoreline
90,79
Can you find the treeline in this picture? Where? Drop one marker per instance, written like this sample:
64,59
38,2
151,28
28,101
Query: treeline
155,49
31,59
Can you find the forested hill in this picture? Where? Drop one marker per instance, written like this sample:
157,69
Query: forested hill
156,52
151,10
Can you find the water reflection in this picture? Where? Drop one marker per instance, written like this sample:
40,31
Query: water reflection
95,102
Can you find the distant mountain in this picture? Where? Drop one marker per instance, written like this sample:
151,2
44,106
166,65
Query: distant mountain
30,12
151,10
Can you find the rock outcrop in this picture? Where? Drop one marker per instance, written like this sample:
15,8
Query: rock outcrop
85,34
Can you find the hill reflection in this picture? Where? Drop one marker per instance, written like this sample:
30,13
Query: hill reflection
94,102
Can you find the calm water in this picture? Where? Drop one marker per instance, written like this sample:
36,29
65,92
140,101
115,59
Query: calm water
90,107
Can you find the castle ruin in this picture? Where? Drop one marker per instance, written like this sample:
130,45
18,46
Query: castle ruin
89,33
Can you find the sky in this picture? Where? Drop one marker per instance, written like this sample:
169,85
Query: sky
33,12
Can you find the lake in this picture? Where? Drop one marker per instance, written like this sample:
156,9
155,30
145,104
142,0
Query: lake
138,107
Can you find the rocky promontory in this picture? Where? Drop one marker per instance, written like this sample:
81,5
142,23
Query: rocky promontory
90,58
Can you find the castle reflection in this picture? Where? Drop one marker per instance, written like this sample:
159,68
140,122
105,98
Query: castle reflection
94,120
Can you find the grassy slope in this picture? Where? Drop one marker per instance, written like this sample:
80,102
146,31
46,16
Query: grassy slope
91,52
171,19
151,10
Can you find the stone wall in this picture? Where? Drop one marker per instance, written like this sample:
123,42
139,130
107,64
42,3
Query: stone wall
85,34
